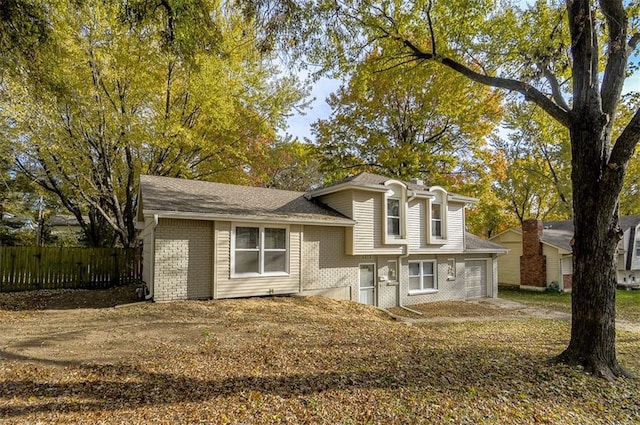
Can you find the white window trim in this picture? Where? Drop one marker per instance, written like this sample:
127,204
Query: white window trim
638,248
437,240
424,290
398,217
261,250
401,239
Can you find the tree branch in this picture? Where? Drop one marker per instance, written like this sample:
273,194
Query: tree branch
614,73
626,143
555,89
530,93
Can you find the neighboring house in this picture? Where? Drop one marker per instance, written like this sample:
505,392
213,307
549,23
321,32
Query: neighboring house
368,238
14,224
65,230
540,254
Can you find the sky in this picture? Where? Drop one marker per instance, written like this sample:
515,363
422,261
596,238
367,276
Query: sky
300,125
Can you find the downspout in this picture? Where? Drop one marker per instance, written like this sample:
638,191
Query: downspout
405,255
149,296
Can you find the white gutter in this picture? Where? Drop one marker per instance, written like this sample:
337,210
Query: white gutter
250,218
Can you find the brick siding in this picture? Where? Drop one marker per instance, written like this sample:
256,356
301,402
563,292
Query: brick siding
183,260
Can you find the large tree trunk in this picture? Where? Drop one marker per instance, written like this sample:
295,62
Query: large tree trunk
596,237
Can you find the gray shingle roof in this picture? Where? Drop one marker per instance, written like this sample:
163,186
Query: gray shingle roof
559,233
376,179
475,243
165,194
372,180
626,221
560,238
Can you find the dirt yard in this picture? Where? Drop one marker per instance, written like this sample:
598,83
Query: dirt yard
290,360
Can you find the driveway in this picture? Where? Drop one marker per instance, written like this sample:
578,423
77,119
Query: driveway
491,309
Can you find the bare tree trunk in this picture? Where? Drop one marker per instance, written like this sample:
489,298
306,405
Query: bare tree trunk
596,236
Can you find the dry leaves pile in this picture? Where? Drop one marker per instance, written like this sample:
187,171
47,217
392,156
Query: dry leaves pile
297,361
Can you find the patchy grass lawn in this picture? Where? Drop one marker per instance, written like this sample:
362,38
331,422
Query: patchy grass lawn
296,361
627,302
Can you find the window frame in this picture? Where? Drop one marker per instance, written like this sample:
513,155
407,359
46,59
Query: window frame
437,220
398,191
260,249
439,198
422,275
638,248
393,217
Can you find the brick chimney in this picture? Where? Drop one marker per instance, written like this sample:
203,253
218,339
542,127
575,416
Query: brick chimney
533,265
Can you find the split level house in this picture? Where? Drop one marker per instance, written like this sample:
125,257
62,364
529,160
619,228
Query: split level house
368,238
540,254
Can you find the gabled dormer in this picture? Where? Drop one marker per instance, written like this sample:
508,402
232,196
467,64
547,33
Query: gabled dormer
395,217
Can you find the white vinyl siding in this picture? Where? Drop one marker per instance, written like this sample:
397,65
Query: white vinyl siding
232,287
368,213
417,235
340,201
419,223
454,223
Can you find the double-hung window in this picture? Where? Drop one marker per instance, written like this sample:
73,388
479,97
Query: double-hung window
259,250
393,217
637,247
422,276
436,221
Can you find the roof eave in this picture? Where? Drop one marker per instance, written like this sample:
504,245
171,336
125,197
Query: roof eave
462,198
559,248
248,218
486,251
344,186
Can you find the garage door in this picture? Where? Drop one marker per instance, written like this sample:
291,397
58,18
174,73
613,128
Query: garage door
476,278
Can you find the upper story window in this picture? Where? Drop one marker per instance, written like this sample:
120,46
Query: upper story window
394,219
393,216
259,250
437,210
436,220
637,247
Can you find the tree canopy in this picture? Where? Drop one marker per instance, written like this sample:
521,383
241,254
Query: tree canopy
405,122
178,89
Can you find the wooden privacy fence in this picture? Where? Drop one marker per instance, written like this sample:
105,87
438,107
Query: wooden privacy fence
27,268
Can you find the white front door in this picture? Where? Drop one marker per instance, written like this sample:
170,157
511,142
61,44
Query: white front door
368,284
